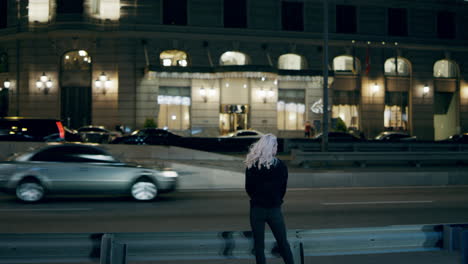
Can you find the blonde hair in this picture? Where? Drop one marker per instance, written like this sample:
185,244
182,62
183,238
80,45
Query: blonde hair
262,152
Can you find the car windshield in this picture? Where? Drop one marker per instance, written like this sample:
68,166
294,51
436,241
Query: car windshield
66,153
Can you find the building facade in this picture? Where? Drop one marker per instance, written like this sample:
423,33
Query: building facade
206,68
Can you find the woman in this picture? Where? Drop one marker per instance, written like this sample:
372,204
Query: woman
266,179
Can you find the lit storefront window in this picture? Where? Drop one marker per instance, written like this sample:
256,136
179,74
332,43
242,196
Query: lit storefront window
291,109
233,58
290,62
397,85
174,108
38,11
106,9
396,111
445,69
173,58
348,113
76,60
345,64
391,68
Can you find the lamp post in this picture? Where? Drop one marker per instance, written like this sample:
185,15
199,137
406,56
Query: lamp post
325,77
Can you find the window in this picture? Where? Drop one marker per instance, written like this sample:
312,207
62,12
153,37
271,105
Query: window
69,6
173,58
76,60
346,64
291,109
445,69
235,13
290,62
105,9
175,12
396,111
174,107
233,58
73,154
401,70
38,11
397,22
4,62
446,25
346,19
3,13
346,107
292,16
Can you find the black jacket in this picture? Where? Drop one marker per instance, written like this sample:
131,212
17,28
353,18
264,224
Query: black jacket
266,187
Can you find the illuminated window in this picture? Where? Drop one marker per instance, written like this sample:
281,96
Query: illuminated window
106,9
174,107
173,58
233,58
346,106
290,62
38,11
291,109
76,60
445,69
396,111
403,66
346,64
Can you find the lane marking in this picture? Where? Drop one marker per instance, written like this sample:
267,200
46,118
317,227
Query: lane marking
46,209
376,202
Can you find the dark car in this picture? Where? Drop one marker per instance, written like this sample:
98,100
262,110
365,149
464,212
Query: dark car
339,137
31,129
458,138
94,134
394,136
149,136
72,135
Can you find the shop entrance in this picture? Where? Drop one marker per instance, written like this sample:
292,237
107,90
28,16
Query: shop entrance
233,117
76,93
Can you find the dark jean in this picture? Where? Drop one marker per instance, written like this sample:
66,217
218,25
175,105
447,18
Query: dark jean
274,217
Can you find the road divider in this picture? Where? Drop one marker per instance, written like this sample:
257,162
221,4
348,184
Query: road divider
121,248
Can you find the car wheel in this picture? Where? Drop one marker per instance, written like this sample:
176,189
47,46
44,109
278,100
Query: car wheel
144,190
29,191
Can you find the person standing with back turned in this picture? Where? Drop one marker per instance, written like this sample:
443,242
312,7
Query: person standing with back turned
266,180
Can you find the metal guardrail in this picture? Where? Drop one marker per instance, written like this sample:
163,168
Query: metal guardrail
119,248
299,157
374,146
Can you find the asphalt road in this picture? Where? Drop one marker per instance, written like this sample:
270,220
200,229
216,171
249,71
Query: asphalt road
228,210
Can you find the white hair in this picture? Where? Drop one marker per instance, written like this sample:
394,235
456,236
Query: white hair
262,152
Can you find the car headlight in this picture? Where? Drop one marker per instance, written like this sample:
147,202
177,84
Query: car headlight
169,174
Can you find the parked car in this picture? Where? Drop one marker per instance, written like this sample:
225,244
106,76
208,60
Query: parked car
71,135
31,129
149,136
339,137
94,134
394,136
458,138
250,133
79,169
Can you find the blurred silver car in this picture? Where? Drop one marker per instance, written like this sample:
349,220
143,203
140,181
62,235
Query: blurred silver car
80,169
